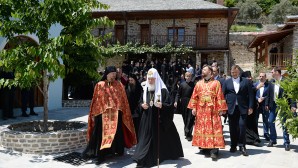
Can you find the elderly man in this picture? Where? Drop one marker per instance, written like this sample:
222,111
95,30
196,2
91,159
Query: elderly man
158,136
110,124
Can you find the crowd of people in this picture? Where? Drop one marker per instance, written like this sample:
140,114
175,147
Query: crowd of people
135,105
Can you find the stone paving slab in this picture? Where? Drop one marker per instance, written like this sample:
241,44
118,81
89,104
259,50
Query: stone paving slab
261,157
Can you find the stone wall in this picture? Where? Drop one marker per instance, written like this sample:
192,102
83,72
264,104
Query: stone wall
159,26
239,53
44,143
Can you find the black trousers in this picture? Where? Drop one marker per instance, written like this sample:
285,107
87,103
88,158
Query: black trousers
7,101
27,95
237,124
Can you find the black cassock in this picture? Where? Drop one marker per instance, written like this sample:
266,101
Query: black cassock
170,147
182,98
252,133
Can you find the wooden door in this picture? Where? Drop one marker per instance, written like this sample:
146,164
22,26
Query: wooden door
202,36
145,38
119,33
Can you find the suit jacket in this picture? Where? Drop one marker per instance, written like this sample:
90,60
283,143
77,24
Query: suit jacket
244,96
269,101
221,80
265,92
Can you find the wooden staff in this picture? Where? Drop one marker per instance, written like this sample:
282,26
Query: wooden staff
158,100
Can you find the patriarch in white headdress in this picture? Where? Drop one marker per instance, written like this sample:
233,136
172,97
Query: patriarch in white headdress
154,83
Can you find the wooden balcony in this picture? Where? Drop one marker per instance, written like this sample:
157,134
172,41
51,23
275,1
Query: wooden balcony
211,42
280,59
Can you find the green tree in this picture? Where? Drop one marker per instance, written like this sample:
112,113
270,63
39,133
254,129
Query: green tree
266,5
281,10
42,63
230,3
249,10
290,86
294,2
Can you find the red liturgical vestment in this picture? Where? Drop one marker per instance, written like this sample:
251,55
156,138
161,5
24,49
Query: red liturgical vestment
208,100
108,99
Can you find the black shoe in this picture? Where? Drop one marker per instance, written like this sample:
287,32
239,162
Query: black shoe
99,161
139,165
189,138
12,117
4,118
287,147
33,113
270,144
266,136
25,115
214,154
233,149
257,144
243,151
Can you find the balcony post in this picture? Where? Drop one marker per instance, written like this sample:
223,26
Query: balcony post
267,59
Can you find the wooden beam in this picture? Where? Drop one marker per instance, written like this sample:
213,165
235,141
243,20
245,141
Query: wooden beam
266,53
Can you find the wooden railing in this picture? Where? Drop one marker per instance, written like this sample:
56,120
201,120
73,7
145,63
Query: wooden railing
280,59
218,41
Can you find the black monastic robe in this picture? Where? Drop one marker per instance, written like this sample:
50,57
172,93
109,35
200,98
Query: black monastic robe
170,147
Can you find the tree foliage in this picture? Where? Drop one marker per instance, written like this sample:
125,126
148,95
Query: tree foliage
230,3
266,5
136,48
249,10
281,10
290,86
33,64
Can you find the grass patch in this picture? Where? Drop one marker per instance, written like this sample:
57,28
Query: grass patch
245,28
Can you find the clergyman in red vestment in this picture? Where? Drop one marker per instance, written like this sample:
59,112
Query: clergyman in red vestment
110,125
208,104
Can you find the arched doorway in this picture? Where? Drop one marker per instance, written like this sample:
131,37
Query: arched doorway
38,97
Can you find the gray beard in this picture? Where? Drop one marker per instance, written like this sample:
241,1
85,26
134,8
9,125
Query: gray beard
151,87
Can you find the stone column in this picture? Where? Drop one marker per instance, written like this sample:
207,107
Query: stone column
198,59
226,63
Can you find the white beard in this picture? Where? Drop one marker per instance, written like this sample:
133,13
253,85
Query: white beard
151,87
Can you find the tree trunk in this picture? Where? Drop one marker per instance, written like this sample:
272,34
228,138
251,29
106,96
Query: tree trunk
45,100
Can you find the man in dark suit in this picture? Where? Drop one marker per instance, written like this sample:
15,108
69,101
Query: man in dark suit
261,94
275,92
239,97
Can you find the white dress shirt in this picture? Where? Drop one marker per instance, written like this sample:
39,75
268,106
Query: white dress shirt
276,90
236,83
261,91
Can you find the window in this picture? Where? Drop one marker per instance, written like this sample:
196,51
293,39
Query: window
176,32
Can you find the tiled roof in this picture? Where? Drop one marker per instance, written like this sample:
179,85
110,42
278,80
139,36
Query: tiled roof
159,5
